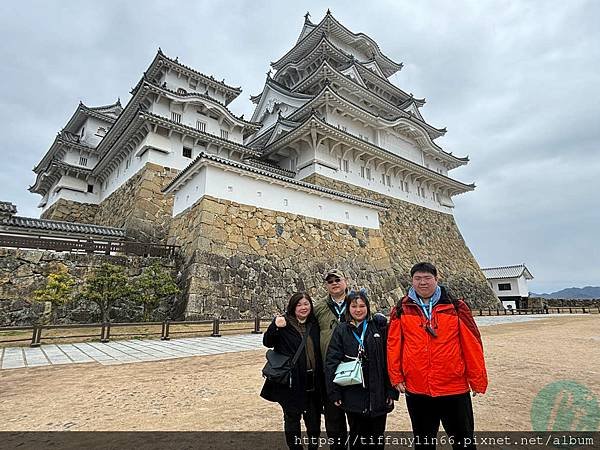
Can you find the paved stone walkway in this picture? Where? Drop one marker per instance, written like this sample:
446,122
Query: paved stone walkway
131,351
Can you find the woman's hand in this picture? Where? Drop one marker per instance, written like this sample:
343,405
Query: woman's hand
338,403
280,322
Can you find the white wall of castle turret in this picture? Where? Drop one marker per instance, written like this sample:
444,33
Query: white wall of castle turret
262,193
92,131
190,117
71,188
356,173
175,81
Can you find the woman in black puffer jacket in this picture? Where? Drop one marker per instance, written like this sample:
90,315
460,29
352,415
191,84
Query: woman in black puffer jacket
303,399
367,404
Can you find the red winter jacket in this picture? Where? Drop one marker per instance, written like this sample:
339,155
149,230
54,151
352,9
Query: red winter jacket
451,363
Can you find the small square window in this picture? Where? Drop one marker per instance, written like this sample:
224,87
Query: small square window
504,287
224,134
83,161
285,202
187,152
90,188
201,126
229,188
176,117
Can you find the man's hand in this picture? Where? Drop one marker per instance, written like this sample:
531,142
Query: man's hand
401,387
280,322
338,403
475,393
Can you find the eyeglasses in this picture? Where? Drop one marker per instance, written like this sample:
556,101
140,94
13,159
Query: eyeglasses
333,280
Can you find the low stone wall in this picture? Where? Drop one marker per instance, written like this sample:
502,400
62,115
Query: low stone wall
139,206
240,261
70,211
24,271
565,302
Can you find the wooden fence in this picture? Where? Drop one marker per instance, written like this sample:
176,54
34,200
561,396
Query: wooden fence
169,328
106,247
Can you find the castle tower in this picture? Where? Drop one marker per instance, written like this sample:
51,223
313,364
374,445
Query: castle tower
336,168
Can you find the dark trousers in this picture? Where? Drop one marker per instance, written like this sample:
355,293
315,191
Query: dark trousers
454,411
312,422
366,432
335,424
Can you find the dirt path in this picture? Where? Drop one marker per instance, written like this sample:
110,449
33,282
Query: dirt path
221,392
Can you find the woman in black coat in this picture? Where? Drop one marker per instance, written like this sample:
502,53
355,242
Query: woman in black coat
303,399
367,404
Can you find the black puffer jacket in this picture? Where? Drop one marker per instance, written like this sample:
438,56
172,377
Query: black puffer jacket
371,400
286,341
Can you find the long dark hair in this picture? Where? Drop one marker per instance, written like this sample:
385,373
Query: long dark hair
294,300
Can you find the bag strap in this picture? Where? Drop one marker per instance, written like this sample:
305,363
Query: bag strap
302,344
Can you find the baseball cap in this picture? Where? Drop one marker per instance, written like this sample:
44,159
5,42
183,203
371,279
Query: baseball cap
334,273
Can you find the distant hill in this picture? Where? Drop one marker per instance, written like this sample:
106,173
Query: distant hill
582,293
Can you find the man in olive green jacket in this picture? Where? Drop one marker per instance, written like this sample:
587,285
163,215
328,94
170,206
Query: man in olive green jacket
330,311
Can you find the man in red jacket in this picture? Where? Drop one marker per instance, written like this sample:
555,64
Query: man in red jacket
435,357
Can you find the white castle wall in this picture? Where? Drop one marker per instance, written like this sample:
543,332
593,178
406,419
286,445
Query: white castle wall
246,190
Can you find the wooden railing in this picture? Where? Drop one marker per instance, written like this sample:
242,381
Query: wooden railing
214,327
106,247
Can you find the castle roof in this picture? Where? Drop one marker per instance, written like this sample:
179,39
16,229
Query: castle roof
514,271
208,159
7,208
162,60
368,149
17,223
331,27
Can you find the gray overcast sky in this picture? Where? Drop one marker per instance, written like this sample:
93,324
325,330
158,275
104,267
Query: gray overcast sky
516,84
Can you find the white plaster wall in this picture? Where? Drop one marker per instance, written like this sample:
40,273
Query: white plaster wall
353,176
522,286
70,188
262,194
191,116
175,81
518,287
436,166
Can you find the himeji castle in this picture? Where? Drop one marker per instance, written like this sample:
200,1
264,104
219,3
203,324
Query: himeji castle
336,167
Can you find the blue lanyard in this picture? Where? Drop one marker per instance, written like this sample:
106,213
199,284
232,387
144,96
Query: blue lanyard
361,339
427,309
340,310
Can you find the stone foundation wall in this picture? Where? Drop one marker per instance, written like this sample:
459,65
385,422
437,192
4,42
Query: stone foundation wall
412,233
24,271
139,206
70,211
240,261
539,302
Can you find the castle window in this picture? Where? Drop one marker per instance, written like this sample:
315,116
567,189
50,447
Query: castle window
347,215
285,202
258,194
229,188
175,117
345,165
383,178
224,134
504,287
368,173
90,188
181,91
388,180
201,126
187,152
362,171
83,161
128,163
